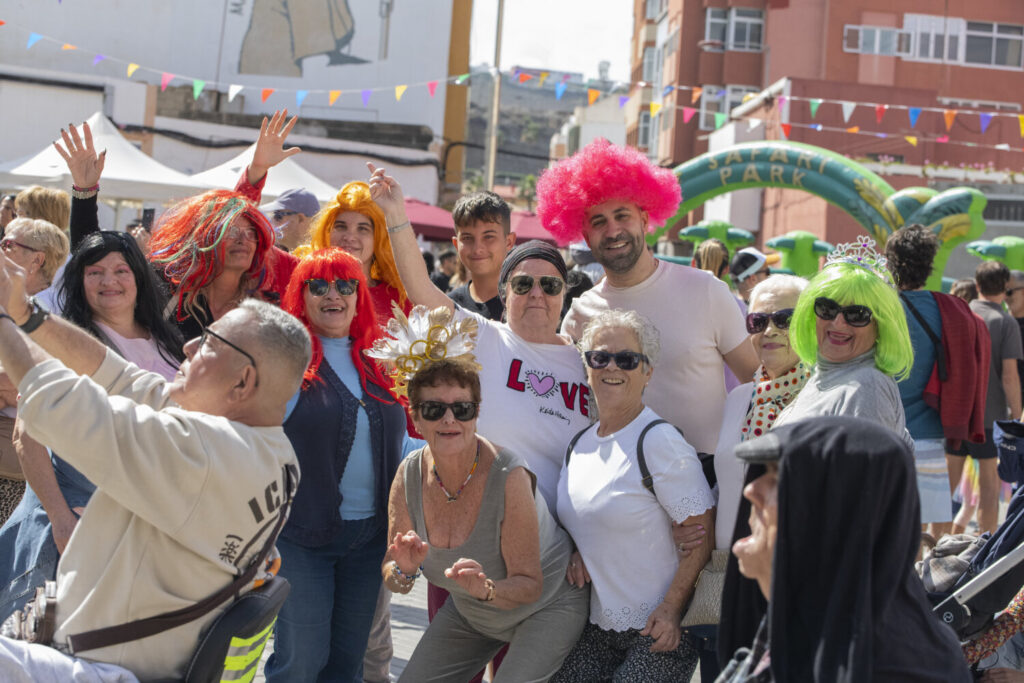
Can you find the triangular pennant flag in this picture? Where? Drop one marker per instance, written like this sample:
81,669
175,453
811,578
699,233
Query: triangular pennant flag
333,97
592,95
881,135
622,100
720,120
942,138
265,93
432,87
68,46
399,91
461,79
880,112
814,107
543,77
818,127
1003,146
753,124
695,95
949,115
787,128
560,90
655,108
782,102
853,129
912,139
366,97
523,77
300,96
2,22
667,90
165,80
197,87
565,77
913,114
848,108
986,120
97,59
132,69
33,38
232,91
1020,119
688,113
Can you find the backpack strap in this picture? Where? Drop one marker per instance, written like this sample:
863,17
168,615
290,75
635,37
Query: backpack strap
572,444
707,460
940,352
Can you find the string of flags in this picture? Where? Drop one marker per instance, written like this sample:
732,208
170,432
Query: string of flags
593,94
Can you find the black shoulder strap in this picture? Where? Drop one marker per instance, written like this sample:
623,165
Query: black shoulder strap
572,444
940,353
150,626
707,460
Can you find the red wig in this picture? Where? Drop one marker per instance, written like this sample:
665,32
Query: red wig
598,173
188,243
330,264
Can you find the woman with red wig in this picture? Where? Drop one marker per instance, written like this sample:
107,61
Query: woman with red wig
349,433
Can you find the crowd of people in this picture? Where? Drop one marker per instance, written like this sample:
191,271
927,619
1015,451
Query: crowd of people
614,468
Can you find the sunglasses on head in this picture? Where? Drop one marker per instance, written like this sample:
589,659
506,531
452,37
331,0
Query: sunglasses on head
318,286
758,322
855,316
624,360
432,411
549,284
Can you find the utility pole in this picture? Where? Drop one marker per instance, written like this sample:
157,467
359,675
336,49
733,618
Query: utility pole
492,127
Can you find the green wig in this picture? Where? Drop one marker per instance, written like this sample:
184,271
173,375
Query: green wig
849,284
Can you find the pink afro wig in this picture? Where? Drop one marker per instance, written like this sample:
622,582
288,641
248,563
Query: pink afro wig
597,173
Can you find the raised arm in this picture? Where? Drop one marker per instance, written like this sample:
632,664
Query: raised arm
85,167
386,191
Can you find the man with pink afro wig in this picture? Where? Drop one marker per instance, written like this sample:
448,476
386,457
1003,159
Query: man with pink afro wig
610,196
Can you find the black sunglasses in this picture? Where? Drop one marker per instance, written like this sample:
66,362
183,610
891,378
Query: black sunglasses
463,411
855,316
549,284
758,322
318,286
624,360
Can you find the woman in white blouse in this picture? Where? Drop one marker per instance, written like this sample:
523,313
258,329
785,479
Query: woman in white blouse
622,523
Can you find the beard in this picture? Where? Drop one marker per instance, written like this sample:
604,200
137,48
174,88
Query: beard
622,261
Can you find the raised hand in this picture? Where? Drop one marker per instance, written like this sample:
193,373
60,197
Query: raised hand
78,153
387,193
270,149
408,551
470,575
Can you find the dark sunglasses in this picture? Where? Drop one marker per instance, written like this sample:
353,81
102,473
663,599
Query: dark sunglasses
463,411
758,322
549,284
318,286
624,360
855,316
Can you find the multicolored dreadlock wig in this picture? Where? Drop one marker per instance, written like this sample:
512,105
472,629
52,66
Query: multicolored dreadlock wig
330,264
355,196
189,241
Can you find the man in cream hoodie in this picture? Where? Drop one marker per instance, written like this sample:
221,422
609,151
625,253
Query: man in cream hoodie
190,475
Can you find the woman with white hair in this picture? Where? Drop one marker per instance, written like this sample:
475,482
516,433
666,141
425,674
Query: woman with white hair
624,482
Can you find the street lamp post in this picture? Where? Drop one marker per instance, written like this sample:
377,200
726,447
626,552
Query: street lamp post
492,126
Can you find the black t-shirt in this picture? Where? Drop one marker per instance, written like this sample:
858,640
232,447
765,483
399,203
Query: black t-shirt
490,309
440,281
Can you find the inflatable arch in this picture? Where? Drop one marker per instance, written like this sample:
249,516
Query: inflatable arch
955,215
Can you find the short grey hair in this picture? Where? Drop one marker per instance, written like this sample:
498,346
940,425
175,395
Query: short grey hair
45,237
281,335
645,331
779,285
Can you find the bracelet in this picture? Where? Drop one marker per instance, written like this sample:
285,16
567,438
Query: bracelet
84,192
37,315
491,590
406,579
392,229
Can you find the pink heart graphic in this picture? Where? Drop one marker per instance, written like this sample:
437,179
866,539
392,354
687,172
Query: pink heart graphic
540,385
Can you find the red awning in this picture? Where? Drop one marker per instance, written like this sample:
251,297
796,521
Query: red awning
527,226
433,222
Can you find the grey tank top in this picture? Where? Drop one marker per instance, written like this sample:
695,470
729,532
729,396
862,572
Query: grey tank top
484,546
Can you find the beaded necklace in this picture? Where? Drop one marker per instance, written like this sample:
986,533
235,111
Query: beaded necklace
452,497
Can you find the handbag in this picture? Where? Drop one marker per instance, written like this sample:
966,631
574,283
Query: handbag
10,465
706,603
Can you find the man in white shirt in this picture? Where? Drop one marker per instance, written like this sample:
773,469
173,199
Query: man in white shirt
191,475
610,196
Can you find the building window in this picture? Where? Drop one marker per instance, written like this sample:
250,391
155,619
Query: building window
736,93
712,101
651,12
746,26
649,65
1004,209
652,146
643,129
716,26
877,40
988,105
994,44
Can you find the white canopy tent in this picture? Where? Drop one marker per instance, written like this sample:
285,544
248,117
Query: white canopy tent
285,176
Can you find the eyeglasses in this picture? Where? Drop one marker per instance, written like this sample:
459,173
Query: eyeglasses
758,322
278,215
8,244
207,332
855,316
624,360
319,286
432,411
549,284
1009,292
246,234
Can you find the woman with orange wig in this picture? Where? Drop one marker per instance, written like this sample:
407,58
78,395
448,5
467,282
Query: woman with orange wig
349,433
354,222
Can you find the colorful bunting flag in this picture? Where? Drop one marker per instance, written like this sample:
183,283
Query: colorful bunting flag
814,107
165,80
461,79
97,59
986,120
399,91
300,96
667,90
333,97
132,68
523,76
1003,146
232,91
1020,119
913,114
880,111
197,87
782,102
33,38
655,108
432,87
366,97
622,100
592,95
265,93
68,46
942,138
848,108
818,127
695,95
949,115
688,113
853,129
2,22
787,128
720,120
912,139
560,90
543,77
881,135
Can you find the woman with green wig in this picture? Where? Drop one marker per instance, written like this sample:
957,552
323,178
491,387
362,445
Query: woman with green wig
850,323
